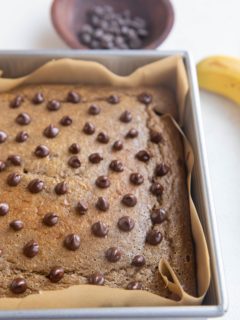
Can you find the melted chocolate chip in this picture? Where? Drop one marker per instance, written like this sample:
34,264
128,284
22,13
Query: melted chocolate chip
136,178
116,166
35,186
161,169
38,98
126,223
103,182
135,285
89,128
13,179
15,160
16,225
4,209
41,151
22,136
156,189
74,148
117,146
94,110
129,200
16,102
138,261
3,136
113,254
18,285
95,158
143,156
126,117
103,137
113,99
72,242
23,119
1,252
61,188
66,121
154,237
73,97
132,133
54,105
74,162
31,249
99,229
102,204
51,131
50,219
2,165
145,98
96,279
155,136
81,208
56,274
158,216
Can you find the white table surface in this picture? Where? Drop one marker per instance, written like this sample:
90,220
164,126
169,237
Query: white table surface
204,27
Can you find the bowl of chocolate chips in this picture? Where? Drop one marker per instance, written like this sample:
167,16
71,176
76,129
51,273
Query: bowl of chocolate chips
113,24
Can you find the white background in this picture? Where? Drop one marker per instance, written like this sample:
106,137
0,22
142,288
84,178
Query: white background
204,27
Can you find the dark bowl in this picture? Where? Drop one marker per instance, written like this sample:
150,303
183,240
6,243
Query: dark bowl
69,16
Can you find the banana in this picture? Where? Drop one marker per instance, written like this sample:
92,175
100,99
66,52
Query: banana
220,74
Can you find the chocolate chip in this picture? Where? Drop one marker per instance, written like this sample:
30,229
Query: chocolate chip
145,98
103,182
16,225
50,219
2,165
113,254
74,162
38,98
126,223
1,252
103,137
15,160
134,285
158,216
155,136
66,121
23,119
54,105
96,279
41,151
31,249
56,274
99,229
73,97
143,156
113,99
89,128
161,169
154,237
51,131
22,136
102,204
136,178
138,261
81,208
35,186
95,158
116,166
132,133
61,188
117,146
3,136
74,148
156,189
94,110
16,102
126,117
72,242
18,285
13,179
129,200
4,209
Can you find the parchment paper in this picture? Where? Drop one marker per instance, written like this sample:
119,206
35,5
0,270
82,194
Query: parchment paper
171,73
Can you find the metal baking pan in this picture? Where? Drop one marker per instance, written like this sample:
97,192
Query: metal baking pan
19,63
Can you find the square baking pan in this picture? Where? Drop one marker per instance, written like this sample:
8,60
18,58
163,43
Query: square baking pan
19,63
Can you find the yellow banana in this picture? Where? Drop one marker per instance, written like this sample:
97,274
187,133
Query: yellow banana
220,74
